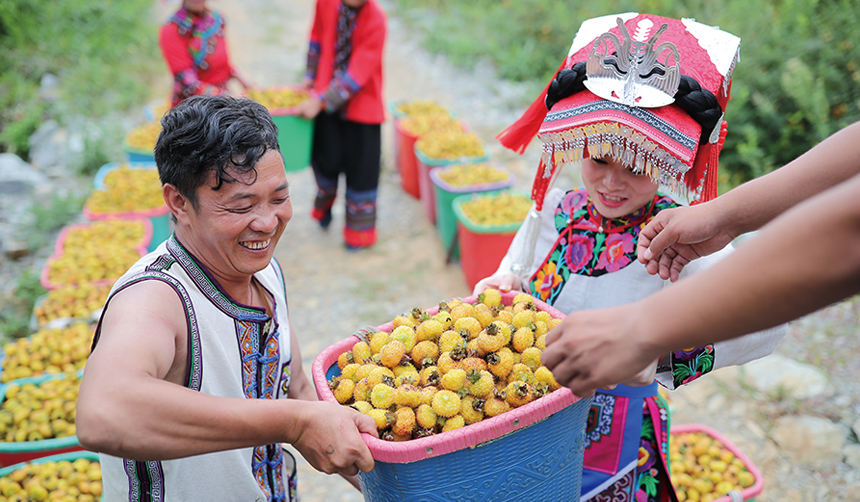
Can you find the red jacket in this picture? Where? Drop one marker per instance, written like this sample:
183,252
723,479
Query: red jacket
364,72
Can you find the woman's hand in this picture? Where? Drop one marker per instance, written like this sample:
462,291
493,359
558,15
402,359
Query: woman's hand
503,282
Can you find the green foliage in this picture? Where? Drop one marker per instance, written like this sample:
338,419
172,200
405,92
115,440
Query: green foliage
798,80
102,51
51,216
15,316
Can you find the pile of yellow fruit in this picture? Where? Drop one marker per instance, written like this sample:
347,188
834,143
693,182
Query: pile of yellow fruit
127,190
71,301
436,373
703,469
47,351
122,231
93,261
422,123
472,174
143,137
421,107
278,97
501,209
62,481
34,412
450,143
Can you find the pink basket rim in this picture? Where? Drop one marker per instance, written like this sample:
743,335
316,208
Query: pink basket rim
747,493
143,213
451,441
284,111
44,275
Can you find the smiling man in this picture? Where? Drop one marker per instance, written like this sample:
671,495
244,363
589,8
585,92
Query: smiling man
186,391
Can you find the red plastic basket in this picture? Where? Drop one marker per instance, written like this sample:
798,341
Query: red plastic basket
748,493
405,159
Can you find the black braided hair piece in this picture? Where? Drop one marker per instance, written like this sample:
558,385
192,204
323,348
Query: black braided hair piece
700,104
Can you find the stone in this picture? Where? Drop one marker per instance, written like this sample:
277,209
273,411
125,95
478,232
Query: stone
856,428
13,168
15,249
46,150
810,440
776,374
852,455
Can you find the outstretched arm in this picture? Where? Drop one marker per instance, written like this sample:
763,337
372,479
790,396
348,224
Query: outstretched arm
806,259
677,236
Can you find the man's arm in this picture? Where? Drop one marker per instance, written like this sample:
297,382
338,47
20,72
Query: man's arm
677,236
132,405
805,259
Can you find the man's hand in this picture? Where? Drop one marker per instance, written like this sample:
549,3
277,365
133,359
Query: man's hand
504,283
677,236
595,349
308,108
331,440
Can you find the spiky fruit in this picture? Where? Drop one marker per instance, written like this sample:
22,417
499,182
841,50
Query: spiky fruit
343,390
495,406
540,342
472,347
490,297
398,437
473,363
523,319
406,334
402,320
430,376
455,422
545,376
505,316
523,297
479,383
518,393
361,352
470,324
344,359
429,330
362,390
349,371
382,417
382,396
520,373
446,403
449,340
445,363
483,314
542,315
531,357
427,394
380,374
378,340
425,353
540,328
392,353
407,378
444,318
418,315
407,395
472,409
364,371
501,362
425,416
404,422
523,338
362,406
462,310
554,322
454,380
492,339
402,369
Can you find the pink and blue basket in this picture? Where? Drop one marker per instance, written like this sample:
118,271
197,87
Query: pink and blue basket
531,453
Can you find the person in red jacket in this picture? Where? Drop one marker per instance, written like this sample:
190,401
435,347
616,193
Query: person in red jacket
193,45
344,73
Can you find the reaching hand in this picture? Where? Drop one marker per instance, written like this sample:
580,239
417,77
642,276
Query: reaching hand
331,440
503,283
594,349
675,237
308,108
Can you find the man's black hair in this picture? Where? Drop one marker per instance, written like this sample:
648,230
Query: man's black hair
204,133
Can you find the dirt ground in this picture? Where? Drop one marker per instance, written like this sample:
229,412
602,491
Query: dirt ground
333,292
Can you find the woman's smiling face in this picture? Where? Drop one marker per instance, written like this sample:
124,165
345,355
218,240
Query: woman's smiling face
614,189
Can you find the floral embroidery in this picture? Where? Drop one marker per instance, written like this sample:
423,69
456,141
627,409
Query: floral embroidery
589,244
690,364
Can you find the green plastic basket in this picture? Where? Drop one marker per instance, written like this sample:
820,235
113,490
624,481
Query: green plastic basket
425,186
295,137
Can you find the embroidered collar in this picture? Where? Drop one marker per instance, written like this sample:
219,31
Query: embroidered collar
578,211
211,288
203,30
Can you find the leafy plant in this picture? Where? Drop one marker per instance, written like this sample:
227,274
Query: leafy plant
53,215
15,316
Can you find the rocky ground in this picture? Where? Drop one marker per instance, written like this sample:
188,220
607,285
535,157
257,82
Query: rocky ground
795,413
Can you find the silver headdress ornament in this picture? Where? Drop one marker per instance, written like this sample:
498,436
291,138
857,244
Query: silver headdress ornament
631,73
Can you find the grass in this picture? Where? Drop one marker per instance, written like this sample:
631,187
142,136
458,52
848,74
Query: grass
15,315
